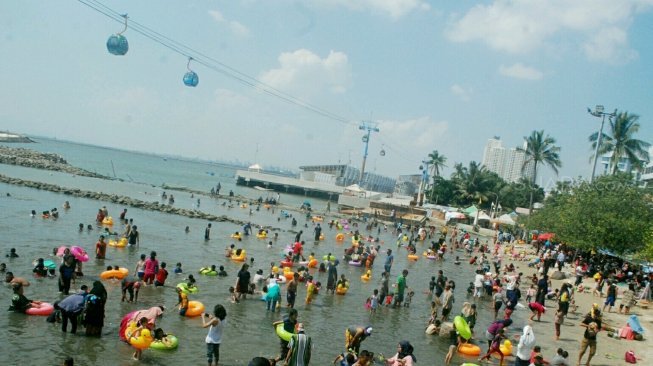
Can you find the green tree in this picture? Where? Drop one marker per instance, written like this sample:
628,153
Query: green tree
610,213
443,191
472,184
540,150
436,162
621,143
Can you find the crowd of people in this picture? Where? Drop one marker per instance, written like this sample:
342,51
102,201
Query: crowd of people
500,285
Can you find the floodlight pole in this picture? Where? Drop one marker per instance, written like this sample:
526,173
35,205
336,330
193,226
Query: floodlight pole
370,127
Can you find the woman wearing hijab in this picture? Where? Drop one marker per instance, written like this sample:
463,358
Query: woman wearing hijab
94,309
525,346
404,356
151,314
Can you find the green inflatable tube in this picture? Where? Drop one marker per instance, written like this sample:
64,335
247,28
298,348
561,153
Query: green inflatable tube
174,343
462,327
208,272
282,333
185,289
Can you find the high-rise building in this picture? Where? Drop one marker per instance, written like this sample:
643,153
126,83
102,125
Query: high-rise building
506,162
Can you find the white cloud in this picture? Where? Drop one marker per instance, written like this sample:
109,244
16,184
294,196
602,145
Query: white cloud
393,8
305,72
522,26
520,71
461,92
418,133
236,27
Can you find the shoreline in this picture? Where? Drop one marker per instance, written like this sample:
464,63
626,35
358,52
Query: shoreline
610,351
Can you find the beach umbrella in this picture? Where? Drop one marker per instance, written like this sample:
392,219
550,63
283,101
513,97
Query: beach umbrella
190,78
117,43
545,236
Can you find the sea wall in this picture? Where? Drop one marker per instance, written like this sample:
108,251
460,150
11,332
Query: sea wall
122,200
34,159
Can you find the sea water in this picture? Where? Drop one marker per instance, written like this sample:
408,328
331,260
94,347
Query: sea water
30,339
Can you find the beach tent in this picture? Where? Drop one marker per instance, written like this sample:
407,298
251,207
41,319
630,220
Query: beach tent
454,216
471,210
506,219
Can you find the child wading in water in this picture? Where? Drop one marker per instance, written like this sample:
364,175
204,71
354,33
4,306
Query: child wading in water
141,332
182,302
215,323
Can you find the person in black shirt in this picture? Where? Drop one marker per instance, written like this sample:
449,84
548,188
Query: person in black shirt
592,322
242,282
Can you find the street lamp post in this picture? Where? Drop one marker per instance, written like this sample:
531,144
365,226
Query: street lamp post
599,112
424,182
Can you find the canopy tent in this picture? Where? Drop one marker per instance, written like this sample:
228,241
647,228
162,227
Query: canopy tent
482,216
471,210
454,216
506,219
545,236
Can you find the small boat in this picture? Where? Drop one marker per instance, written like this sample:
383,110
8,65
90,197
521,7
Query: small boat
259,188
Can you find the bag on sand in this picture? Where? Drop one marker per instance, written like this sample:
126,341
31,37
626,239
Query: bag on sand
630,357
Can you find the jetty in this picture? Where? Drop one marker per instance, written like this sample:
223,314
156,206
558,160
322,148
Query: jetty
287,184
10,137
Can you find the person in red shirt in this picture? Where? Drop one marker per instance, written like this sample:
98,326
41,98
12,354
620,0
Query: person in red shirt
161,275
100,248
297,251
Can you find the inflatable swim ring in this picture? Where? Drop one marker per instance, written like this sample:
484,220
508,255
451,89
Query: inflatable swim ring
108,221
172,340
262,235
340,237
195,308
322,237
236,236
462,327
118,244
185,289
341,290
49,264
285,264
143,341
289,275
208,272
43,309
331,258
413,257
79,253
275,269
282,333
506,348
366,277
239,258
312,263
318,218
119,274
469,349
354,263
431,256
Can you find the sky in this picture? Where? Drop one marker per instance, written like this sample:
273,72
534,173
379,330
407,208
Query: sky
443,76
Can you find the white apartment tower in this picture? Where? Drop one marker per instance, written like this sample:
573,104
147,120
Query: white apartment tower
506,162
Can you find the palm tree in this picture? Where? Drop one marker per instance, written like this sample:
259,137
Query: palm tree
472,183
621,142
436,162
539,150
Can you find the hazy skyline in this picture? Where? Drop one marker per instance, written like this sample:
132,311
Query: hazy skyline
434,76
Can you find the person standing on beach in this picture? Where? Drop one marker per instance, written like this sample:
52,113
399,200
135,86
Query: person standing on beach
592,322
207,232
